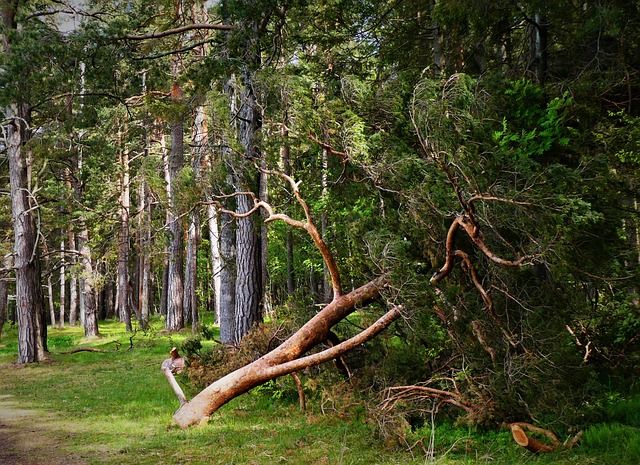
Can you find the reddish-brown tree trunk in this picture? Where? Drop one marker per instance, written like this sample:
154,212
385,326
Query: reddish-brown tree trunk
282,360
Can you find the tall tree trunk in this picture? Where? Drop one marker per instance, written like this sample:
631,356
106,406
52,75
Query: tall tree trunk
249,292
248,280
286,167
89,284
73,280
52,305
87,281
216,261
32,328
327,292
145,265
537,29
29,301
264,241
200,134
124,293
190,304
438,53
175,285
63,283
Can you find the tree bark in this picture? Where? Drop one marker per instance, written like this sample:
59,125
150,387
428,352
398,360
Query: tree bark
145,266
248,281
216,261
175,284
327,292
32,328
7,263
124,293
190,304
249,292
88,284
29,302
227,280
286,162
63,283
50,300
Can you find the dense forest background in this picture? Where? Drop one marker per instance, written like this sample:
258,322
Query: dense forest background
478,157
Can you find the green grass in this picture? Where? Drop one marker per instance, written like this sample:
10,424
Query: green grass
116,407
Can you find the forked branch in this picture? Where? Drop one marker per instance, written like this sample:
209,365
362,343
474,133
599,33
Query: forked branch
289,357
308,225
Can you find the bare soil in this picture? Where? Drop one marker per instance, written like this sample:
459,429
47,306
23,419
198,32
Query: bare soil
28,437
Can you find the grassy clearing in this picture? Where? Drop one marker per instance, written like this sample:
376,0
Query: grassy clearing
116,407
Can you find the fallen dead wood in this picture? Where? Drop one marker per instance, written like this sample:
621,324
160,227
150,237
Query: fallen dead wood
519,433
86,349
171,366
93,349
284,359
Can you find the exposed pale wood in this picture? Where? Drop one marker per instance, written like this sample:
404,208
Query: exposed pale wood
171,366
519,429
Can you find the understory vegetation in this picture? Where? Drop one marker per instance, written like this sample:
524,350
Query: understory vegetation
115,408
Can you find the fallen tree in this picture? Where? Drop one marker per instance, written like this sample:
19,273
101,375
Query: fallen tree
288,357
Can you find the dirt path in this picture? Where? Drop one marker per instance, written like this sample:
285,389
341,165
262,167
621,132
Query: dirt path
28,437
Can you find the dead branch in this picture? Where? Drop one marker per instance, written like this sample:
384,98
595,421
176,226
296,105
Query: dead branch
307,225
86,349
284,359
472,230
177,30
296,379
336,351
92,349
343,156
418,392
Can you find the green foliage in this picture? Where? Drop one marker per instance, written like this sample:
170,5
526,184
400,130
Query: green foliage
620,443
620,134
531,129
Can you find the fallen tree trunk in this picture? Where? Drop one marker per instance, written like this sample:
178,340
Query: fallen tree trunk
285,359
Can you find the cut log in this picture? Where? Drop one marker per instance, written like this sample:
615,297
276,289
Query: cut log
529,443
518,431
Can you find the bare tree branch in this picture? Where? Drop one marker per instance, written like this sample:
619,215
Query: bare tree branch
177,30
